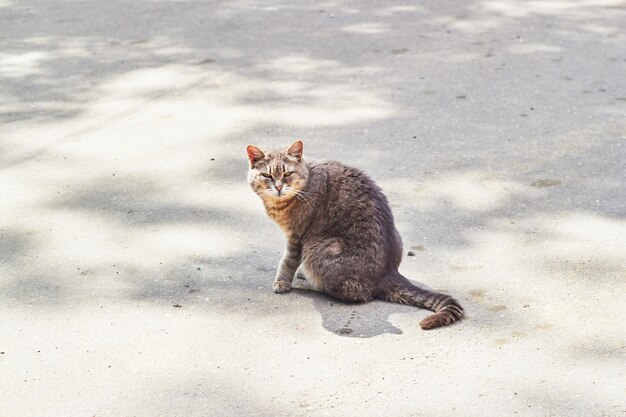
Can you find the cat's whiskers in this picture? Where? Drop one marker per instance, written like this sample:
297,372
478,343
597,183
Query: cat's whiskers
304,196
301,195
300,198
263,194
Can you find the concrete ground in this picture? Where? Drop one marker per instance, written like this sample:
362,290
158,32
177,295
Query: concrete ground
136,265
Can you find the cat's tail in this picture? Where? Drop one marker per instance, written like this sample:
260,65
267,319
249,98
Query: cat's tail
399,289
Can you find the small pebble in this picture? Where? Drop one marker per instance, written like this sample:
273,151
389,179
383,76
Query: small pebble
411,253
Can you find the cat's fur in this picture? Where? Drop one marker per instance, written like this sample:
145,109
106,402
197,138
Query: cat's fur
340,232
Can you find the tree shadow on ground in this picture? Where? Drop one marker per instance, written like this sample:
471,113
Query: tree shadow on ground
457,110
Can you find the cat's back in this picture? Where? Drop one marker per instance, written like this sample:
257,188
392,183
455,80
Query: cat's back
346,178
351,192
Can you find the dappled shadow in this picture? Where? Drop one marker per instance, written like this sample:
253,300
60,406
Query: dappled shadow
200,396
39,290
13,245
496,129
139,202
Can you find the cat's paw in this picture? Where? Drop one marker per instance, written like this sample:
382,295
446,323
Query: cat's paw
281,287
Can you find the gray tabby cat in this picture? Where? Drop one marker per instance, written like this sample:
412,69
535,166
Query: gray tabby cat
340,232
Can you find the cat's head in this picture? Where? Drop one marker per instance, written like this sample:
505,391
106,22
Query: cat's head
277,174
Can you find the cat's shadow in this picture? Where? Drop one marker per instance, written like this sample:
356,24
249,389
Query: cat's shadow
360,320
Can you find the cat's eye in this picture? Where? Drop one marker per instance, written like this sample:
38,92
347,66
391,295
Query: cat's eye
286,174
266,175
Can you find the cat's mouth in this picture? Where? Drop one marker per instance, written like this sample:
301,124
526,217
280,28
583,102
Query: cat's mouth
283,194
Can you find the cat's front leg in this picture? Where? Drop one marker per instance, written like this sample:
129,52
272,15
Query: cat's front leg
288,266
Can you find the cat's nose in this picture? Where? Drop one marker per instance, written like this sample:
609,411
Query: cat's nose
279,187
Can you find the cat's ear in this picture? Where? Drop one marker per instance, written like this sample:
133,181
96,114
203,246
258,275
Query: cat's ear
254,154
296,149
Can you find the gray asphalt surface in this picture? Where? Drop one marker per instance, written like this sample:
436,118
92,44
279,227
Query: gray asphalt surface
136,265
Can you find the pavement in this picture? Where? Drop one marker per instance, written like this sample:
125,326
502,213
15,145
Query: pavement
136,264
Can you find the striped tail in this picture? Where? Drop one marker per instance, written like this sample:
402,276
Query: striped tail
401,290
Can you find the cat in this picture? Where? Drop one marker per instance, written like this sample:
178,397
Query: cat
340,232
